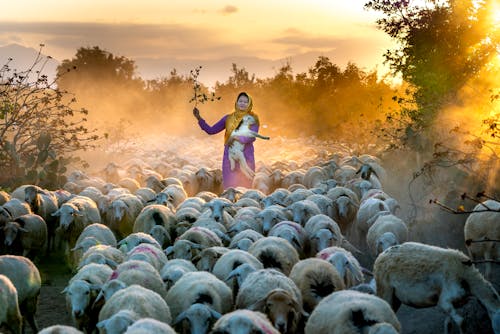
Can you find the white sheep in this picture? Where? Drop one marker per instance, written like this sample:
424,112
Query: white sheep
25,277
102,254
10,315
422,275
324,232
314,176
149,326
271,216
27,233
271,292
154,214
278,196
175,194
74,216
173,270
274,252
481,226
219,210
294,233
160,234
207,258
148,253
243,322
146,195
369,210
303,210
81,293
43,203
134,272
299,194
244,239
352,312
144,302
92,235
12,209
198,287
386,231
346,264
134,239
229,262
316,278
122,213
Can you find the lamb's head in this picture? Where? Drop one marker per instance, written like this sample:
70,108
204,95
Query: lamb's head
248,120
67,213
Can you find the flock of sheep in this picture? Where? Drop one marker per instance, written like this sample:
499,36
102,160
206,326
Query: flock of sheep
156,246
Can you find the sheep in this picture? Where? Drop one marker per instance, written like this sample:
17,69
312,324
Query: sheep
160,234
122,213
316,278
118,322
176,194
244,239
92,235
12,209
74,216
129,183
135,272
353,312
183,249
102,254
218,228
25,277
91,192
296,195
81,293
149,325
324,203
481,226
197,318
243,322
44,204
274,252
134,239
294,233
292,177
191,202
422,275
271,216
173,270
201,236
391,202
60,329
28,233
148,253
368,212
273,293
385,232
154,214
198,287
229,262
10,315
324,232
219,210
314,176
146,195
207,258
346,264
143,302
303,210
278,196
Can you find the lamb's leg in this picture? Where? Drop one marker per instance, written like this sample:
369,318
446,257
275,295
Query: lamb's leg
258,135
232,163
244,167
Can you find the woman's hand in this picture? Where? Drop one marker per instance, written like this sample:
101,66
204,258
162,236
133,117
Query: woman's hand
196,113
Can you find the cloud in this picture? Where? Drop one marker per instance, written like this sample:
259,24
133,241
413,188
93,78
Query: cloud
229,10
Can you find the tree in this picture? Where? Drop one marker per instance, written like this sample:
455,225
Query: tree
39,128
442,44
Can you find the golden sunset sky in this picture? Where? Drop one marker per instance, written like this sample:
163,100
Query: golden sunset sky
159,35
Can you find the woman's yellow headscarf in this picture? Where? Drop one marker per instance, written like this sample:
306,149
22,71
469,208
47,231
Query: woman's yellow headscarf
234,119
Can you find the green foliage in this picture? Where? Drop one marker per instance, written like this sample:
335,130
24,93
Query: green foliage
39,128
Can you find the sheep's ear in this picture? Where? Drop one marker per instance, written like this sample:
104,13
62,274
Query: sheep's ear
169,250
22,229
102,324
64,291
112,264
180,318
76,248
56,214
216,315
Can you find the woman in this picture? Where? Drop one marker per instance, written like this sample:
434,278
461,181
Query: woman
242,107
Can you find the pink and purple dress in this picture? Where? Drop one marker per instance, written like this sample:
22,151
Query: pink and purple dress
233,178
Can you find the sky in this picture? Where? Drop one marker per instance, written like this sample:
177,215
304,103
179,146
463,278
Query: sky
160,35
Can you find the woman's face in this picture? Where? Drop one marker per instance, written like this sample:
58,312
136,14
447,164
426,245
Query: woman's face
242,102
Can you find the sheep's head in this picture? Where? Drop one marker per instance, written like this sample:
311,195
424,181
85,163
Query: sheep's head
282,309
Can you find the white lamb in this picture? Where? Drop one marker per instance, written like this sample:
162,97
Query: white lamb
244,322
274,252
422,275
352,312
387,231
235,149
